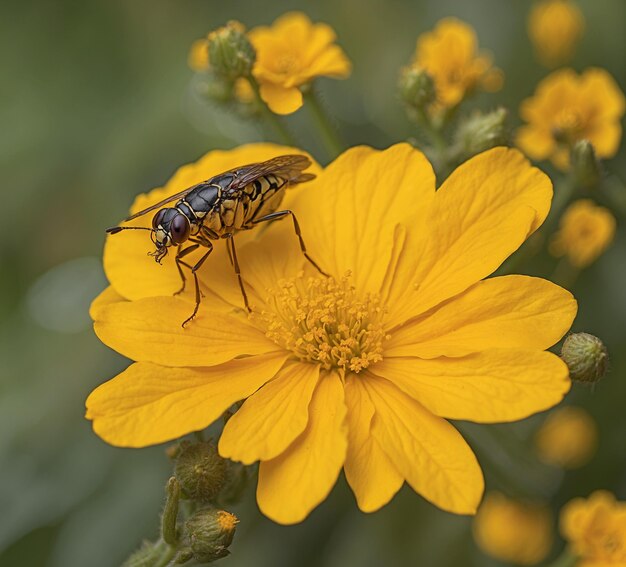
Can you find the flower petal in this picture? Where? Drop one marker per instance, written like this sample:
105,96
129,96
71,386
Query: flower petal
349,216
425,449
106,297
295,482
369,472
149,330
281,100
502,312
492,386
481,214
148,404
273,417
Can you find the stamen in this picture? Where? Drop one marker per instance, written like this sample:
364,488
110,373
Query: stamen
324,320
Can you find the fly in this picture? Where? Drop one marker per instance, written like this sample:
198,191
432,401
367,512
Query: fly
238,199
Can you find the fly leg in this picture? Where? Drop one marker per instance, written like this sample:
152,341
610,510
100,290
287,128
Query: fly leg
194,269
230,243
296,227
181,254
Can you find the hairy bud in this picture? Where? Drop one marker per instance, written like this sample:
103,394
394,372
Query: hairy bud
480,132
417,88
230,52
586,357
208,534
200,471
585,164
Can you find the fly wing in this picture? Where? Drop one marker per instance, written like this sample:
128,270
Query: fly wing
165,201
289,167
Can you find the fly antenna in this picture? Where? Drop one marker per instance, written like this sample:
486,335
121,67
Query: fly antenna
116,229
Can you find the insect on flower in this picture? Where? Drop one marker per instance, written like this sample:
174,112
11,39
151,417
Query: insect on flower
238,199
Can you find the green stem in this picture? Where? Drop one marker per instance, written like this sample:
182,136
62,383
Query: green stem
333,143
274,120
168,555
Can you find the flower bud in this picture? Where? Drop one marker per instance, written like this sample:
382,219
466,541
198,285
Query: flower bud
585,165
417,88
170,512
480,132
586,357
200,471
230,52
208,533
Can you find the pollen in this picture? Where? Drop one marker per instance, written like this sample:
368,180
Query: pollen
325,321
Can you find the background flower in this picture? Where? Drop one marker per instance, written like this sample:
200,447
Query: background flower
568,107
555,28
585,232
449,54
513,531
291,53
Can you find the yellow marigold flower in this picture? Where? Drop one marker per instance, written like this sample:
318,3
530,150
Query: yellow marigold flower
450,55
567,438
290,54
513,531
585,232
596,530
568,107
555,28
360,370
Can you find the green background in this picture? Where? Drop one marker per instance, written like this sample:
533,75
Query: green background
96,105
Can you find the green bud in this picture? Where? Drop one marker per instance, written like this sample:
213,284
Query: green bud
230,52
149,555
417,88
480,132
200,471
170,512
585,164
208,533
586,357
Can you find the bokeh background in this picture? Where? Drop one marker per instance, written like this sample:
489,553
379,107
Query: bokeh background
96,105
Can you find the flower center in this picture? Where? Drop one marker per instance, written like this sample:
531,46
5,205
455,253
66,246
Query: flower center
286,64
569,126
324,320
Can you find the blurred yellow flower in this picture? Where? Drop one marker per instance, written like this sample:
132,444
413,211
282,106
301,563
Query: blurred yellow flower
595,529
585,232
360,370
513,531
555,28
567,438
198,58
290,54
568,107
450,55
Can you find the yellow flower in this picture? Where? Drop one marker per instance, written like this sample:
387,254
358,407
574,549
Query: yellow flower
595,529
290,54
567,107
555,28
585,232
360,370
513,531
449,54
567,438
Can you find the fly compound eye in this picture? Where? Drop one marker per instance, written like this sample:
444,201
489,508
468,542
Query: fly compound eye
158,219
179,229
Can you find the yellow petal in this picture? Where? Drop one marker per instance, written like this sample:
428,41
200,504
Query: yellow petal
106,297
481,214
148,404
502,312
272,418
369,472
295,482
149,330
134,274
425,449
350,213
281,100
536,142
492,386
